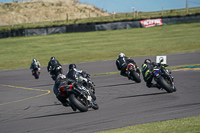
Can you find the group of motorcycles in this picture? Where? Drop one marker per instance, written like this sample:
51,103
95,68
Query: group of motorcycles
162,76
81,94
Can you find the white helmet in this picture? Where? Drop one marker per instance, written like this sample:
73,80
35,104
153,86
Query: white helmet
121,55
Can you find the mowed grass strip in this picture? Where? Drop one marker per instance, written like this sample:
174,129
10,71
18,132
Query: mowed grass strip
184,125
102,45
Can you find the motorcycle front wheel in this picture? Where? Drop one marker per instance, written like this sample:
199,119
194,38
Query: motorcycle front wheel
36,75
78,103
95,106
161,81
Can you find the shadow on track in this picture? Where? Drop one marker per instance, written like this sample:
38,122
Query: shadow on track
43,116
142,95
55,104
115,85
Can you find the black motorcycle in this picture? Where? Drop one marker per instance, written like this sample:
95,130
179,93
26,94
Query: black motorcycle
133,72
55,71
163,77
79,97
85,80
36,72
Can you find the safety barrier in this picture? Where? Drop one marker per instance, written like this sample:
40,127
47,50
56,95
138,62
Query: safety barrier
96,26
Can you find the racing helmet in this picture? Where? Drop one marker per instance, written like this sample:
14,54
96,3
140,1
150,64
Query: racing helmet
121,55
34,60
147,61
53,58
72,66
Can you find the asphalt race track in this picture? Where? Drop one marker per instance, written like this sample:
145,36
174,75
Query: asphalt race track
29,105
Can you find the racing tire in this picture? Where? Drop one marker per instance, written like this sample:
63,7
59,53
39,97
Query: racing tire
135,76
36,75
161,81
73,100
95,106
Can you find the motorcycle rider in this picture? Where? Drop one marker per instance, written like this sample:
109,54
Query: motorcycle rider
52,65
62,80
73,72
122,63
147,68
33,64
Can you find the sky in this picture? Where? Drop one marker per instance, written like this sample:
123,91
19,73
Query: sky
142,5
120,6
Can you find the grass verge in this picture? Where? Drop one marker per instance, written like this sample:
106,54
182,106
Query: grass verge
103,45
183,125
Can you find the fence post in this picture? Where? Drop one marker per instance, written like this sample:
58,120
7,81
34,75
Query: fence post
113,14
133,12
186,6
67,19
12,21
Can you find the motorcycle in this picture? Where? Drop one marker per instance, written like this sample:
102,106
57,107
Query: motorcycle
85,80
36,72
163,77
133,72
79,97
56,70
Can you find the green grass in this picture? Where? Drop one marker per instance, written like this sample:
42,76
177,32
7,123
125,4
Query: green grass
103,45
184,125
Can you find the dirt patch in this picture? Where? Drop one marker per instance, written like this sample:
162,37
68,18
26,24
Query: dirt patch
46,10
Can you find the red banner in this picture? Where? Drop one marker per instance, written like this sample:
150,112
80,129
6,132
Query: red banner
151,22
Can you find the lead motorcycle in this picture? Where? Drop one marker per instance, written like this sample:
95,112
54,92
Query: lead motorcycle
79,97
36,72
133,72
163,77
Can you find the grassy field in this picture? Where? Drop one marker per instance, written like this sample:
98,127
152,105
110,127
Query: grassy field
103,45
184,125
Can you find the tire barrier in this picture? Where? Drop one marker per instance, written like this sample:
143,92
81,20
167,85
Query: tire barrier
101,26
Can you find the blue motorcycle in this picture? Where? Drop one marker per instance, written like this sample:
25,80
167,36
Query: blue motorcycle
163,77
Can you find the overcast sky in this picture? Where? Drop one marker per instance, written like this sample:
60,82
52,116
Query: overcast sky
142,5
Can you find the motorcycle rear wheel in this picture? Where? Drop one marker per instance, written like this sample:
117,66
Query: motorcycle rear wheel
135,76
78,104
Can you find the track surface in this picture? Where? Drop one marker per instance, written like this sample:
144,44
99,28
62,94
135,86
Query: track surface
122,102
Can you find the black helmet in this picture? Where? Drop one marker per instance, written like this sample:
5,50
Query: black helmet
53,58
147,61
71,66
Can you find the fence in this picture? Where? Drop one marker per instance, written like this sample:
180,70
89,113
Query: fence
96,26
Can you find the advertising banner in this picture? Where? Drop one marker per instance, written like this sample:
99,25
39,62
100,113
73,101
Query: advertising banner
151,22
